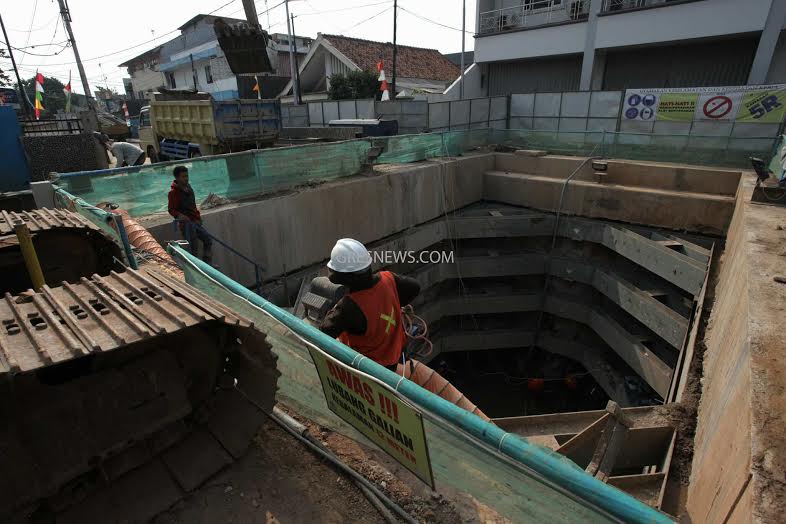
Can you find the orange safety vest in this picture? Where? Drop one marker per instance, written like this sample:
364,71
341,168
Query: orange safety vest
384,337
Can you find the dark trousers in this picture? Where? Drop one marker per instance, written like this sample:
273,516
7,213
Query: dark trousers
195,233
141,159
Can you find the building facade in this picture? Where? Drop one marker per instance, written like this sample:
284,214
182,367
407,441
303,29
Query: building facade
526,46
194,60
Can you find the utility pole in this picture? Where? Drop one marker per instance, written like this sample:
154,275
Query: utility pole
66,15
292,62
22,95
395,13
297,69
251,12
463,28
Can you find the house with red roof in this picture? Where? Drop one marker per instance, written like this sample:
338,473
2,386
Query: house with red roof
419,70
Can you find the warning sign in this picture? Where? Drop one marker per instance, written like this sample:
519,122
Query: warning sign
751,104
377,412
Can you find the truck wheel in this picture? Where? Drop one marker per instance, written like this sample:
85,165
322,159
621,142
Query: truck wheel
152,155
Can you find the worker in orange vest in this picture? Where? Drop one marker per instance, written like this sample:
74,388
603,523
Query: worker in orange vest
368,319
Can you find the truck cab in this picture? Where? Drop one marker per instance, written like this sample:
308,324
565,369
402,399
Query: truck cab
148,140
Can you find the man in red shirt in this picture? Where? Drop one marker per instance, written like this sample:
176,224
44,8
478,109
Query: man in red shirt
182,206
368,319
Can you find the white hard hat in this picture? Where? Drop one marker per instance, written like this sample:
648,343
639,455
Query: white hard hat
349,256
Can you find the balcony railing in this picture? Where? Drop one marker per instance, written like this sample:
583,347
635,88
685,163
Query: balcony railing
533,13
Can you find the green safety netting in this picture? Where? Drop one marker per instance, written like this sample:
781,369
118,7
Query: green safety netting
720,151
457,459
143,190
97,216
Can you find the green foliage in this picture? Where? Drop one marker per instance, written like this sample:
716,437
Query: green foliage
355,84
4,80
54,97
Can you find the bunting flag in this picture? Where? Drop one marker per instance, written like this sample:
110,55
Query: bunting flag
39,94
67,91
383,86
125,113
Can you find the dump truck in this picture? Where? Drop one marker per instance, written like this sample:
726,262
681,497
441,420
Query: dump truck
121,390
186,124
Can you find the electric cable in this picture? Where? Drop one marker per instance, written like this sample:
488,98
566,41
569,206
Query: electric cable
416,15
367,19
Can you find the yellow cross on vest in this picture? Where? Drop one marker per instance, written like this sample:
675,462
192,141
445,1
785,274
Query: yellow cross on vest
389,319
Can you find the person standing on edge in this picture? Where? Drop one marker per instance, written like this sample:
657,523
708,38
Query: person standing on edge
369,318
182,206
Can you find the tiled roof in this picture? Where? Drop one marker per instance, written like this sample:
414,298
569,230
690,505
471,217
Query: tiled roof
411,62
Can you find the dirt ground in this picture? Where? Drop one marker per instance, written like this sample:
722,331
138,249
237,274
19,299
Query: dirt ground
279,480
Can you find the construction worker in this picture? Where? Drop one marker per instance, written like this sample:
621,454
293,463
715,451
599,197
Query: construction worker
182,206
125,154
368,319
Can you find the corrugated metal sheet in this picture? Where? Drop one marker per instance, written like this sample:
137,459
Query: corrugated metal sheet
98,314
42,219
697,65
529,76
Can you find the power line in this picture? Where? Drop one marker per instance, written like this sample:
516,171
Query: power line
432,21
65,46
367,19
344,8
30,28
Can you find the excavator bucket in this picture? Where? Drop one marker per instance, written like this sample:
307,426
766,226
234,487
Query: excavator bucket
245,47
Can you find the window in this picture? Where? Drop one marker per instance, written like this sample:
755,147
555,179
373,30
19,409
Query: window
170,80
208,75
144,118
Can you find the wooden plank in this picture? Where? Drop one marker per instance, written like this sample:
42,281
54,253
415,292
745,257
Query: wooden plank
618,438
581,446
601,446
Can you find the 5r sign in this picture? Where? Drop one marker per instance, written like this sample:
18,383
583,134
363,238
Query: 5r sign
765,106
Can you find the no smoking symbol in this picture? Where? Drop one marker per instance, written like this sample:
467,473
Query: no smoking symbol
717,106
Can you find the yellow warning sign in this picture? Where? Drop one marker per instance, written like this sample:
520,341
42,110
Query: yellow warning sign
377,412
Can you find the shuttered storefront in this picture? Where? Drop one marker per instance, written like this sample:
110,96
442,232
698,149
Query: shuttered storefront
530,76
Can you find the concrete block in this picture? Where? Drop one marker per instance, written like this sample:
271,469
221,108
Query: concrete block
498,124
545,124
522,105
711,128
575,104
602,124
365,109
391,107
459,112
438,115
414,120
636,126
330,111
499,108
346,109
43,194
521,122
414,107
547,104
605,104
315,113
671,128
745,130
479,110
572,124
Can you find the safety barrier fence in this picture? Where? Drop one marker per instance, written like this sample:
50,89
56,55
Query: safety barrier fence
142,190
520,480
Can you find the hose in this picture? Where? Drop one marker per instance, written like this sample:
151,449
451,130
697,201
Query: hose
428,379
300,432
411,320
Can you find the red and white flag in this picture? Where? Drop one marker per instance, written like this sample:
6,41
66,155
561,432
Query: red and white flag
39,94
383,86
67,92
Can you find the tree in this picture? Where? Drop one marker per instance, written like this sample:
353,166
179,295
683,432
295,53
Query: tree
54,97
355,84
4,79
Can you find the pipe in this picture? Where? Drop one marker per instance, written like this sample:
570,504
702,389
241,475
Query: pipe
427,378
303,432
547,465
31,258
121,231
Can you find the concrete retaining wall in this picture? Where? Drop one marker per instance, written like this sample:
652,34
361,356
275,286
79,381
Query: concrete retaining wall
296,230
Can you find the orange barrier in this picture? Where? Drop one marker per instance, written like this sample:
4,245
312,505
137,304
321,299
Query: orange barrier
428,379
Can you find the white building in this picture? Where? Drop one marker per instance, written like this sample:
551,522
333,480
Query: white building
568,45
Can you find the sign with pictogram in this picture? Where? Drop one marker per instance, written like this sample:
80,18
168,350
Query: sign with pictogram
717,107
377,411
750,104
